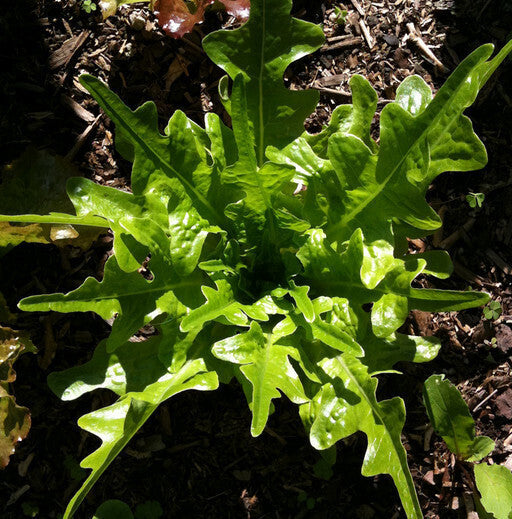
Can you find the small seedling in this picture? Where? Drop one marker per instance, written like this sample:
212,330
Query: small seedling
492,311
29,510
89,6
340,15
475,199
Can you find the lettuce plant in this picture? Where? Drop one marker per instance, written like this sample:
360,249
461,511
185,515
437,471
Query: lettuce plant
291,291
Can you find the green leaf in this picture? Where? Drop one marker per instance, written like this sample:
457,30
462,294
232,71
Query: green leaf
354,119
113,509
262,184
149,510
117,423
346,403
264,357
135,300
41,178
341,275
451,419
276,115
431,137
242,275
494,482
176,167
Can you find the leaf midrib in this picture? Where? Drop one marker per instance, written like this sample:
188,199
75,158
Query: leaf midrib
152,153
261,129
165,288
376,411
380,187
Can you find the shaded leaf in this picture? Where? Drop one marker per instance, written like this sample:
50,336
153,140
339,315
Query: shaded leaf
450,417
113,509
149,510
41,178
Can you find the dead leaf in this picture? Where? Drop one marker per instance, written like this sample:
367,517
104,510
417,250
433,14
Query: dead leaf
177,68
14,426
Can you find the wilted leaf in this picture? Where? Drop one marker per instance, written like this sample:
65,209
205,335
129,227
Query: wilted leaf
14,425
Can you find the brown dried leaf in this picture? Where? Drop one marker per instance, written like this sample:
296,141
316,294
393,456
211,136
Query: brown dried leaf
14,426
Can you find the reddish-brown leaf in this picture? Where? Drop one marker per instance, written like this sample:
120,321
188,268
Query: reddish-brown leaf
14,419
238,8
177,20
14,425
175,17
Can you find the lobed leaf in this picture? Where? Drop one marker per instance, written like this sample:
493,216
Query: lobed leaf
276,115
264,357
291,291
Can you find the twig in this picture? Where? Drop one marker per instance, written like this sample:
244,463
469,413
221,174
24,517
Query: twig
483,9
366,33
358,7
484,401
417,39
454,237
343,44
332,92
81,139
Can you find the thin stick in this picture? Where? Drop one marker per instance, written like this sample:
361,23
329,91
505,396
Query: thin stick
366,33
358,7
484,401
417,39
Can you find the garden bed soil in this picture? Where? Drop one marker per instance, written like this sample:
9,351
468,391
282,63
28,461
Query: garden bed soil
196,456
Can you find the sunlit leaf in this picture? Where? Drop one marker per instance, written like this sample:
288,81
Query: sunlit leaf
494,482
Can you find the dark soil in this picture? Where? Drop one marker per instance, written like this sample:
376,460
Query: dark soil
196,456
